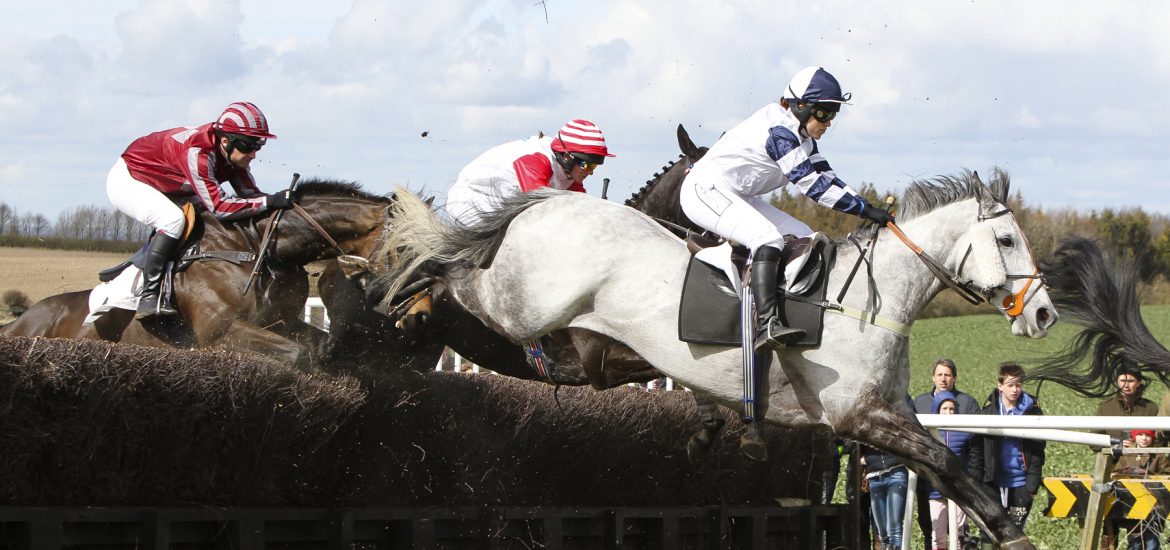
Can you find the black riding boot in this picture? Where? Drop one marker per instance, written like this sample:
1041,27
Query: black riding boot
766,276
162,247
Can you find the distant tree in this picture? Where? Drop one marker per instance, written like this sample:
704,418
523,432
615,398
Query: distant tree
7,218
1128,231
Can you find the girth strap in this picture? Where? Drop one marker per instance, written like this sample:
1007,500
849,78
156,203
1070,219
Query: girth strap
235,257
891,325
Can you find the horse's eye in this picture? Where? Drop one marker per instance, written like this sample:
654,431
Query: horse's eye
1006,242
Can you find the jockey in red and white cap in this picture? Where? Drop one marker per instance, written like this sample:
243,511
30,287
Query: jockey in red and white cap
161,167
562,162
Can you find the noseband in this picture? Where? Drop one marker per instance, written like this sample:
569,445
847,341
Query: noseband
1013,303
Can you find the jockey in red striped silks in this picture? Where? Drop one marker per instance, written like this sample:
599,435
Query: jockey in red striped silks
562,162
159,168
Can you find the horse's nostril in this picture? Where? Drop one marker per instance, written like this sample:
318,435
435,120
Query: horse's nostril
1045,317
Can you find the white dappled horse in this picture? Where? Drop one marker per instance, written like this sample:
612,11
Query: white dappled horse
548,260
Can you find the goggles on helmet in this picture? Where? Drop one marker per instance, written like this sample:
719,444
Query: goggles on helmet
246,144
825,112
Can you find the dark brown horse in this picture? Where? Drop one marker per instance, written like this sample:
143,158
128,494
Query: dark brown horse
214,311
359,333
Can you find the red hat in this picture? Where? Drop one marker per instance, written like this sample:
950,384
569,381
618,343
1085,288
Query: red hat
1135,433
580,136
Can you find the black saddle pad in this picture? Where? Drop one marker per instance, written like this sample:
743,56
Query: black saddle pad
709,312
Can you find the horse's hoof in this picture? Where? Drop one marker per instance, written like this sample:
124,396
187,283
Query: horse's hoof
1021,543
697,446
753,446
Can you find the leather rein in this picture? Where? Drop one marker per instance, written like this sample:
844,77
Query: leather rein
1013,304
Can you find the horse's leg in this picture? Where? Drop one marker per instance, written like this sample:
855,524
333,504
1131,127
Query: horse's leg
243,336
607,362
711,421
311,338
896,431
113,324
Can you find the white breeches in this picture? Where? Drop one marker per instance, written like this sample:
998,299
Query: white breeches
143,202
750,221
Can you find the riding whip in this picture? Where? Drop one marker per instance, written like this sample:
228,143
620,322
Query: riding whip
260,254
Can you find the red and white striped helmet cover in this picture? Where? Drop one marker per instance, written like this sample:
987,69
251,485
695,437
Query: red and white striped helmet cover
244,118
580,136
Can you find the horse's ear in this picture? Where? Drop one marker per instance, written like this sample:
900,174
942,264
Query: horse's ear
430,200
983,194
686,145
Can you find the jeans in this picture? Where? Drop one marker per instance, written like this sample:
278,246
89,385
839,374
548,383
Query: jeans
1144,535
887,493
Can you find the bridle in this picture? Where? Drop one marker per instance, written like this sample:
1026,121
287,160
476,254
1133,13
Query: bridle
1013,304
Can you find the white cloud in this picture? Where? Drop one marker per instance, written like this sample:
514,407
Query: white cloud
1058,92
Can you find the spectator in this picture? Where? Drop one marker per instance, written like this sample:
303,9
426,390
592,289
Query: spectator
944,376
1010,467
887,478
1128,402
959,443
1142,534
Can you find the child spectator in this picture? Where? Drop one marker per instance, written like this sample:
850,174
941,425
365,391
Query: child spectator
1010,467
946,402
1143,534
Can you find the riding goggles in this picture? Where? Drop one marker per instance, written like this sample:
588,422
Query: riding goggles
586,165
247,144
824,114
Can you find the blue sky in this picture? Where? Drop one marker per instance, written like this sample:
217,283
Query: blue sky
1066,96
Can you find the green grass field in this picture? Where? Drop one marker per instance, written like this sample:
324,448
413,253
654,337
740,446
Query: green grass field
978,344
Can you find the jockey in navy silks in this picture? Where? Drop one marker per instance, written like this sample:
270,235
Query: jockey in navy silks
562,161
182,162
726,191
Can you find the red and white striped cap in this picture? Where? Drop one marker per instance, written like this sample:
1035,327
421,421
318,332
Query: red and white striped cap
244,118
580,136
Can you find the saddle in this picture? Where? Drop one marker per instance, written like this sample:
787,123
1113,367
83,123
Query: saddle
189,252
709,312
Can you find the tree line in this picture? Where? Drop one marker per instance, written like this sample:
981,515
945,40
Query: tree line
79,228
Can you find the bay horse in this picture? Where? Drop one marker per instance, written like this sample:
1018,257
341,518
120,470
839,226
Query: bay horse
620,274
359,333
213,310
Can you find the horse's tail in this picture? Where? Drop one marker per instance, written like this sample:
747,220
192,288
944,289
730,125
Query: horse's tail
1099,293
419,240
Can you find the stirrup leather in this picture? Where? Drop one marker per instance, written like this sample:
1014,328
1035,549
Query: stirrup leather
537,359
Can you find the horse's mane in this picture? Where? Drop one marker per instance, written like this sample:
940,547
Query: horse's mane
635,200
1099,291
328,187
926,195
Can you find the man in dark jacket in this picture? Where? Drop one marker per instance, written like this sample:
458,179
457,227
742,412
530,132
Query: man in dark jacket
1011,468
943,377
1127,402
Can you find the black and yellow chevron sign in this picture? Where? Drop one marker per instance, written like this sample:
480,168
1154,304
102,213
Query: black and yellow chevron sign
1131,498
